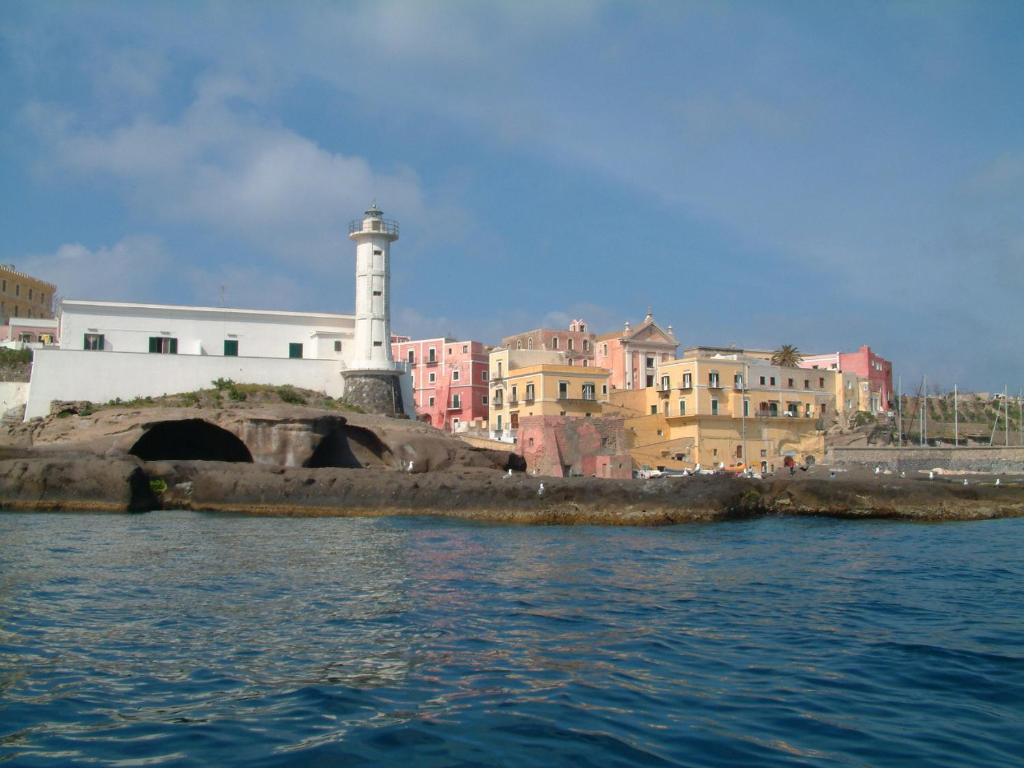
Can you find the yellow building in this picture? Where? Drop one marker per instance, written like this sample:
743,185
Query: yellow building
22,295
729,409
539,383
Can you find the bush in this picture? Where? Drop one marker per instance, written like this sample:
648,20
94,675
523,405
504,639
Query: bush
863,418
288,394
222,384
15,356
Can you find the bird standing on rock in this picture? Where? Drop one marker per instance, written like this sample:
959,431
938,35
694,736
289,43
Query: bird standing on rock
540,491
931,475
997,481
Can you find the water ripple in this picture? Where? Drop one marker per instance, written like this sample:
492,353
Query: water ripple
179,639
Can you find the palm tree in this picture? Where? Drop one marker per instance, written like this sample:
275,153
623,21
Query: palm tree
788,356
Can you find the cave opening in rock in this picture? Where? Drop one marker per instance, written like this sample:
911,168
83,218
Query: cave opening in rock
190,440
350,448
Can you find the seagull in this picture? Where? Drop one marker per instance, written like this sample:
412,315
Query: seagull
965,481
509,472
878,470
540,491
832,473
903,474
931,475
997,481
409,468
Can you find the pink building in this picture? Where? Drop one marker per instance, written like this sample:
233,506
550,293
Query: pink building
633,354
35,331
864,363
577,343
449,379
560,446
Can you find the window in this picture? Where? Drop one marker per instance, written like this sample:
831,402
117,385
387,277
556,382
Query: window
665,385
563,390
163,345
295,351
682,407
554,342
650,362
739,451
654,410
821,382
714,451
432,377
455,375
569,344
483,400
378,343
30,294
529,343
604,350
230,347
430,401
499,422
498,396
589,391
93,341
411,357
17,290
790,385
431,355
515,395
713,379
762,381
746,407
604,389
737,381
519,343
5,285
772,381
714,407
483,376
807,383
456,401
337,346
586,345
529,393
687,380
465,348
376,293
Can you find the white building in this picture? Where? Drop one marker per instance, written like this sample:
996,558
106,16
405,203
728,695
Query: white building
112,350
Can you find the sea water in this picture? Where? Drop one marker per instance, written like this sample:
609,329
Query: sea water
181,639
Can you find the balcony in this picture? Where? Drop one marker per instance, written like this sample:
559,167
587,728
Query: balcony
528,400
513,403
373,225
430,361
497,377
664,393
455,407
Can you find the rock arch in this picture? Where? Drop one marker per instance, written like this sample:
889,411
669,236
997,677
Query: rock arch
351,447
189,440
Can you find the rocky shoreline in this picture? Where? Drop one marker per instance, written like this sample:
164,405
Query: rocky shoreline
306,462
93,484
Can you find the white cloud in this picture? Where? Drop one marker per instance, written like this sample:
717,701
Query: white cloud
132,269
224,167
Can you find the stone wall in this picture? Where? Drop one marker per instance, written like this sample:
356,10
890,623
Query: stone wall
910,459
558,446
374,392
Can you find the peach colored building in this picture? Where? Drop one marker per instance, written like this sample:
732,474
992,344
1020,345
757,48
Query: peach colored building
576,343
634,354
449,379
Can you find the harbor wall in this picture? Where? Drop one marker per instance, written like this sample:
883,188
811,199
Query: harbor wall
996,459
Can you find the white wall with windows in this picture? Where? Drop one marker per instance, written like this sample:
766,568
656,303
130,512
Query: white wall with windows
113,350
118,327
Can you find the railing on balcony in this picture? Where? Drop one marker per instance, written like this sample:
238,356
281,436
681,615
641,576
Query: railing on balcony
513,403
528,400
384,226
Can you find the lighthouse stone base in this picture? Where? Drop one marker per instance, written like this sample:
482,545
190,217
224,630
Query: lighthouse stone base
375,391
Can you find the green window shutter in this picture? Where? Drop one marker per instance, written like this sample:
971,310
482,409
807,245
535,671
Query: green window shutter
154,344
174,346
295,351
231,348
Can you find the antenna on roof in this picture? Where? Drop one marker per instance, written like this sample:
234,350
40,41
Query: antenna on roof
222,289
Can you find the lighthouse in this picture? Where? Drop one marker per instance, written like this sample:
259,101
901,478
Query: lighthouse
372,381
373,235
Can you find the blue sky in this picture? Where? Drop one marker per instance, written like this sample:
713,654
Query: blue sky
821,174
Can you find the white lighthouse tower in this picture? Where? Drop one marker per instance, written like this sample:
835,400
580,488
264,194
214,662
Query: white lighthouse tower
372,379
373,235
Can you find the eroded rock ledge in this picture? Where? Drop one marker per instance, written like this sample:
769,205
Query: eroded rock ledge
291,460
